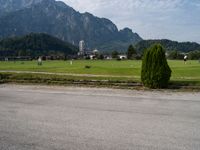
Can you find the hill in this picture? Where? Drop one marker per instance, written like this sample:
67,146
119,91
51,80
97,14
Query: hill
60,20
168,45
35,45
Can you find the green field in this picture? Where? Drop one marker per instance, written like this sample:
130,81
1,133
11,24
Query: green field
110,68
124,70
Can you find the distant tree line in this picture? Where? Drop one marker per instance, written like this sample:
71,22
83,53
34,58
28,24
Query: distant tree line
176,55
194,55
168,45
131,53
39,44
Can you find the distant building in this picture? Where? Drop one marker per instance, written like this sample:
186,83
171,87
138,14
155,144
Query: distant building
92,56
81,48
6,59
108,57
95,52
122,57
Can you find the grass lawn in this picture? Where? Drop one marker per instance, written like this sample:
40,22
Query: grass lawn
126,70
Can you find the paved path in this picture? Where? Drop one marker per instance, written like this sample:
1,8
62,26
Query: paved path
69,118
67,74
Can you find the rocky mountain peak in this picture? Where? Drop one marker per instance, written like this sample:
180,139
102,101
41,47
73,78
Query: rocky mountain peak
13,5
62,21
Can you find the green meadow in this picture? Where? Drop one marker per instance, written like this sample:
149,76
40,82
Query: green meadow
128,70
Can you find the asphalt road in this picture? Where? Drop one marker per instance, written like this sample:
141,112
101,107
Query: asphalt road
70,118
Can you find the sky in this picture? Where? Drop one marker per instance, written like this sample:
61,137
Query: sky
152,19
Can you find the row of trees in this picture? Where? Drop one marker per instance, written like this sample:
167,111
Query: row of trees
168,45
174,55
193,55
131,53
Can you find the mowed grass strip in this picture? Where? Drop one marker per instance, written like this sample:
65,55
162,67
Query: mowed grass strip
120,70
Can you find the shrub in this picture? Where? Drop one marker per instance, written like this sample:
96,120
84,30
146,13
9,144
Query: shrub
101,56
118,59
115,55
87,67
3,77
155,70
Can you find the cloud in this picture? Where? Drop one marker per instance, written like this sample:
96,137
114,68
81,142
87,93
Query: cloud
174,19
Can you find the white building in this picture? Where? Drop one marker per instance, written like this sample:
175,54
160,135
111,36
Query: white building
95,52
81,47
122,57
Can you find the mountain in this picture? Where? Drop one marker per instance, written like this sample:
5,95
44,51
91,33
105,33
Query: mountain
35,45
60,20
168,45
7,6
